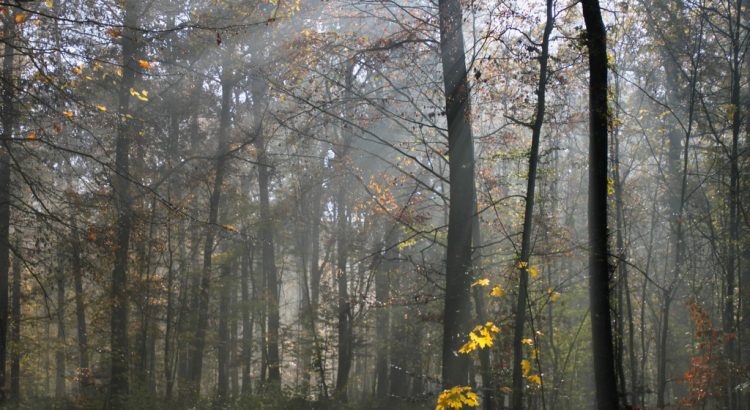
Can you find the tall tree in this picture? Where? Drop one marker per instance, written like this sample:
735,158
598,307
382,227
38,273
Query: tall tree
119,381
9,121
528,216
599,267
457,309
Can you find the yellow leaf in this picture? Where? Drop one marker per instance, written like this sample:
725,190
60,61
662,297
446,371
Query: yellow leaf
49,3
119,72
521,264
534,378
68,114
143,96
506,390
31,135
497,291
20,18
481,337
77,71
231,228
456,398
534,353
533,271
480,282
527,341
525,366
553,296
101,108
145,64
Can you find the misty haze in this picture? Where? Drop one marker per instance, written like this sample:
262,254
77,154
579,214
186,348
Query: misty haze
374,204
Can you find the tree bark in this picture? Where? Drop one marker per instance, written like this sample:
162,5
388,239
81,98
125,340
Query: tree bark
9,120
260,97
84,372
599,267
457,309
119,381
528,219
15,329
60,353
199,345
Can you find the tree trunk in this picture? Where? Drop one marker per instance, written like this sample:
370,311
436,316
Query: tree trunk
457,309
383,315
260,96
222,384
84,372
523,262
599,268
15,329
119,383
60,353
196,361
9,122
247,319
488,389
344,308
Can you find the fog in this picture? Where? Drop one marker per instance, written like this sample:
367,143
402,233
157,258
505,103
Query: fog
374,204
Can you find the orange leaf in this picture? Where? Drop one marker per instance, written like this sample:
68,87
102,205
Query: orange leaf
31,135
20,18
145,65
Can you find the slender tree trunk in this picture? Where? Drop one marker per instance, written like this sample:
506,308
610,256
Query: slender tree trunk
344,307
528,219
119,356
260,95
199,345
599,268
457,309
382,317
247,319
60,353
15,329
84,372
488,385
9,122
624,286
222,385
728,319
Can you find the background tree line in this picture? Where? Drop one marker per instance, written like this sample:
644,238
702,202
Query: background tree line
374,204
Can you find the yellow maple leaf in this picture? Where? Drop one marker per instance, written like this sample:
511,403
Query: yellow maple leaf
49,3
521,264
456,397
527,341
534,378
119,72
497,291
525,366
481,337
553,296
480,282
533,271
101,108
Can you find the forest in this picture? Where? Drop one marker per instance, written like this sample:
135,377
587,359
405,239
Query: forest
375,204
